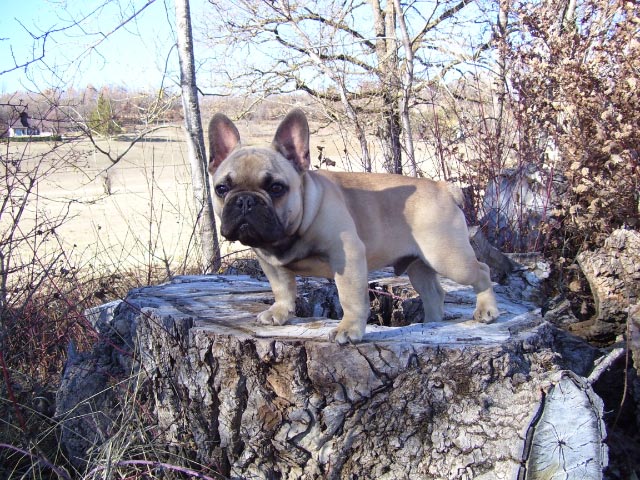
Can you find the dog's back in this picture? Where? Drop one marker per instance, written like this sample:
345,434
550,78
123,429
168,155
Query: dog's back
396,191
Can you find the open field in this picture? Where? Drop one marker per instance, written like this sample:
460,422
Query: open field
124,214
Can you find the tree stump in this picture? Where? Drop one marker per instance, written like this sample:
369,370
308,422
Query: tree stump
453,399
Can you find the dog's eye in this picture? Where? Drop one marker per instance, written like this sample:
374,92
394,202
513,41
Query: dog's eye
277,189
221,190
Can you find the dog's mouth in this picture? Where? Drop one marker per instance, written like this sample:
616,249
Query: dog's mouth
248,219
249,235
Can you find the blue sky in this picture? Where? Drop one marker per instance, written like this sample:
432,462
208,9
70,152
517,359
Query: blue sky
132,56
98,52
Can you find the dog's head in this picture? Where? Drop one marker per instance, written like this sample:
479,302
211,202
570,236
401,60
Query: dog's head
257,191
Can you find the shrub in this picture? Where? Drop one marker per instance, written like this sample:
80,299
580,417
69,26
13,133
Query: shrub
576,80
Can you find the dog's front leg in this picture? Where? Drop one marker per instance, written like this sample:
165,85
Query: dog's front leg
283,285
351,282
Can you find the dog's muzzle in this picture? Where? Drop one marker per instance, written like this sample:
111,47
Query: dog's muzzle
249,219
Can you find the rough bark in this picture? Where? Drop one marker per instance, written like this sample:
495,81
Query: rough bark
389,133
634,347
452,399
613,273
406,93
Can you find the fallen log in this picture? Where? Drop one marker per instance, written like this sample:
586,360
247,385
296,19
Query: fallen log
452,399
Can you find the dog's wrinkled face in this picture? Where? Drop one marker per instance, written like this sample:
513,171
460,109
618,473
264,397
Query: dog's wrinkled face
257,190
257,197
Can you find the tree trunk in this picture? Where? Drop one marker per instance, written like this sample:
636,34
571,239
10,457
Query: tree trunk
446,400
407,86
613,273
391,134
390,129
360,132
500,36
195,140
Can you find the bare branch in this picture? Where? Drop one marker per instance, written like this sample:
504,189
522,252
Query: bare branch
449,13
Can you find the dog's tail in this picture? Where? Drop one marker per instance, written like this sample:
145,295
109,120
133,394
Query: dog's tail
456,193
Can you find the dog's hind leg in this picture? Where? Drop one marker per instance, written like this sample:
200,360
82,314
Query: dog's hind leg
425,280
454,258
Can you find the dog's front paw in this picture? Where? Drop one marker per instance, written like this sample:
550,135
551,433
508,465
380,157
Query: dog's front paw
275,315
347,332
486,316
486,308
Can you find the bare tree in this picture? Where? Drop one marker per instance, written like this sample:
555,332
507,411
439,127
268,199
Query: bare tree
407,85
195,138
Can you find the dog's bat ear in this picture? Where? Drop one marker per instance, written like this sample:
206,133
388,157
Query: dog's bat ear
223,138
292,139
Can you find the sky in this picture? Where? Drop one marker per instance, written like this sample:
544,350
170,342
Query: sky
85,44
133,56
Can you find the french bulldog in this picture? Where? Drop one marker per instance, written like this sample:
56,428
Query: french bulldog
339,225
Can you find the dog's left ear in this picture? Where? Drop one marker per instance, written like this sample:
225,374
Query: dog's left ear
292,139
223,138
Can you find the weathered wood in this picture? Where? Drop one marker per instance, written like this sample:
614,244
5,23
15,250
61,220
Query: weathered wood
452,399
634,346
613,273
550,448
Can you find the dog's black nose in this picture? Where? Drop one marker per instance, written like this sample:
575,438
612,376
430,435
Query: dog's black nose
244,203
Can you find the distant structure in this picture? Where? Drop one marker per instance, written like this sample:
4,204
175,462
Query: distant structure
25,132
25,129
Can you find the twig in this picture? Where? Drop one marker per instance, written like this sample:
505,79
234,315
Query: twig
386,294
58,471
604,363
154,465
